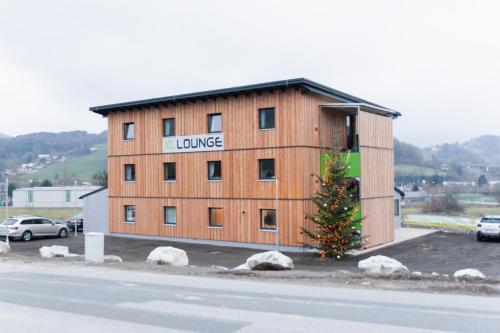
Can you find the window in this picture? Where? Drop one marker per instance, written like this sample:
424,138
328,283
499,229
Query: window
169,172
266,169
396,207
268,219
170,215
169,127
129,172
67,196
266,118
351,132
128,131
31,222
129,214
214,170
30,196
45,221
215,217
214,123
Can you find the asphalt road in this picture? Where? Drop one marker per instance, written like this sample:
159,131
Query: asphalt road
41,297
440,252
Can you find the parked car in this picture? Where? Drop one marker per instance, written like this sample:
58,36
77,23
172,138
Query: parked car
28,227
78,220
488,227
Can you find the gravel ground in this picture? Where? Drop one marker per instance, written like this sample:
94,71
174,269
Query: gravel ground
440,252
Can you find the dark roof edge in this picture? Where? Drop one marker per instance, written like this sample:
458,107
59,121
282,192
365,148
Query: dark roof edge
93,192
302,82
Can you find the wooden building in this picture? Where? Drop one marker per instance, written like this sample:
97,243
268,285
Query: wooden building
238,166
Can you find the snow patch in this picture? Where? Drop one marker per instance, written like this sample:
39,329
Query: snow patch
112,258
469,273
54,251
4,248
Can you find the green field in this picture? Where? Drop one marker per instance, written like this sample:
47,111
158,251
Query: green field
51,213
413,170
82,167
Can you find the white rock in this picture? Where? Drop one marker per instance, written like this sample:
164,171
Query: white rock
111,257
167,255
72,255
434,274
271,260
4,248
54,251
220,267
242,267
382,265
417,273
469,273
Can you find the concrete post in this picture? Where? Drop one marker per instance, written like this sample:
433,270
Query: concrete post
94,246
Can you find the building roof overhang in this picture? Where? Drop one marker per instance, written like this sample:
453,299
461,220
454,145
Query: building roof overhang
303,84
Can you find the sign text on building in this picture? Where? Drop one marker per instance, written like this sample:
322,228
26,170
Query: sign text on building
193,143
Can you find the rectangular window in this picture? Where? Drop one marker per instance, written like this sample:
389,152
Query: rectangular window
266,118
128,131
169,171
268,219
129,172
215,217
396,207
214,123
169,127
266,169
350,131
170,215
130,214
67,196
214,170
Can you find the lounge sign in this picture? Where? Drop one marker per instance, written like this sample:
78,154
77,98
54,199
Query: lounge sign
193,143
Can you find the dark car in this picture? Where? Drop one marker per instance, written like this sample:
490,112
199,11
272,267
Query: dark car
78,220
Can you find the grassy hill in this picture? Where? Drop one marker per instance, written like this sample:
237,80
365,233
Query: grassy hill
82,167
407,169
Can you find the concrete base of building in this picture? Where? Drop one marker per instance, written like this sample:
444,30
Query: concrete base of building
256,246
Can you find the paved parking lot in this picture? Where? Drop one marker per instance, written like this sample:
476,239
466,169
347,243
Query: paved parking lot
439,252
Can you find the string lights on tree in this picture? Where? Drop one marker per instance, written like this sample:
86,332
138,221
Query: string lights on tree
335,230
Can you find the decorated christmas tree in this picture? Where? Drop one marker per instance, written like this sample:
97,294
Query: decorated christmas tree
335,230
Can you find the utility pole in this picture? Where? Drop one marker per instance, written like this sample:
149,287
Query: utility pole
76,203
277,217
6,210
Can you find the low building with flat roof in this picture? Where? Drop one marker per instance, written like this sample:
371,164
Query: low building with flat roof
50,197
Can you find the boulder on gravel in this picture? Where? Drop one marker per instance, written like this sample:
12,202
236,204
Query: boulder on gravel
382,265
242,267
112,258
54,251
469,273
4,248
268,261
167,255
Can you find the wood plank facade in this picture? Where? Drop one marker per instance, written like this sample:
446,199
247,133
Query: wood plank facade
301,126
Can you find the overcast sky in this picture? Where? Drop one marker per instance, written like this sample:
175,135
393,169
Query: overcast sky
437,62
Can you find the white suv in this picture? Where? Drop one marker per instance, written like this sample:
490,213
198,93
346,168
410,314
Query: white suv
488,227
28,227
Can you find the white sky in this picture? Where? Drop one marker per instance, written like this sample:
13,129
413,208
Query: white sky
437,62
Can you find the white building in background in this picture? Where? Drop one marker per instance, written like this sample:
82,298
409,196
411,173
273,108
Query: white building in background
50,197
